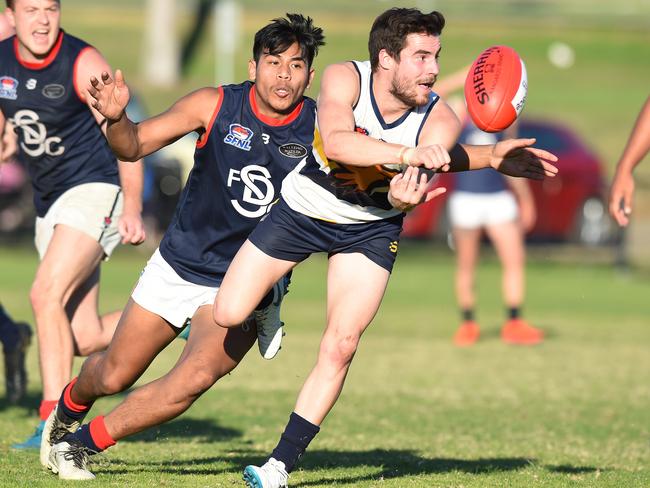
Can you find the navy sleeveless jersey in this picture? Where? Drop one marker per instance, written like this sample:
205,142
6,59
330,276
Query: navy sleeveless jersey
58,136
239,165
485,180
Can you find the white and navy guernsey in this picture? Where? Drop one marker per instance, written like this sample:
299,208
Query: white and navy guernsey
239,164
59,138
345,194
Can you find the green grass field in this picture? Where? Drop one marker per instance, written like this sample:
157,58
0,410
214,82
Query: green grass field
415,411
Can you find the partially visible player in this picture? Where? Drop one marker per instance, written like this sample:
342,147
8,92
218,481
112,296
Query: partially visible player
503,208
638,145
251,135
14,336
8,143
374,118
82,211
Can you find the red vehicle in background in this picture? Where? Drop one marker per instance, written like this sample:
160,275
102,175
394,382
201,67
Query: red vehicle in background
570,207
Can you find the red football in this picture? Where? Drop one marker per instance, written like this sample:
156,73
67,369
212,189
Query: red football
495,88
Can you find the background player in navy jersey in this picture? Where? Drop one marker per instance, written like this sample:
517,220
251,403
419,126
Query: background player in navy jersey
251,135
504,208
370,115
82,213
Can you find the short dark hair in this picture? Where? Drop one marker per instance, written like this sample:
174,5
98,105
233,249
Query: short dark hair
11,3
390,29
277,37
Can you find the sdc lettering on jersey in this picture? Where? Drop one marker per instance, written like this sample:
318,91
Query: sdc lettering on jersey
479,70
35,141
258,192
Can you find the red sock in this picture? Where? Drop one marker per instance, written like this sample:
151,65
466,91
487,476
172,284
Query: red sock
100,435
69,402
46,408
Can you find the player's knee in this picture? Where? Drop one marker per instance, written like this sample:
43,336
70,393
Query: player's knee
199,382
83,346
41,295
111,380
340,351
226,315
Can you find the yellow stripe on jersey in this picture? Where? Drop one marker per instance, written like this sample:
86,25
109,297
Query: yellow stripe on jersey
368,179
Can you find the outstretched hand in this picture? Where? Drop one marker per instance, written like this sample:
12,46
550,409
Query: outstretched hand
517,157
409,189
620,198
109,96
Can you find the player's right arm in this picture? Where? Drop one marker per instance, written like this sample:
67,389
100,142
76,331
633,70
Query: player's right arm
131,141
638,145
338,94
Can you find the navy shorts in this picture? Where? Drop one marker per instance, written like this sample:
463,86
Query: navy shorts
291,236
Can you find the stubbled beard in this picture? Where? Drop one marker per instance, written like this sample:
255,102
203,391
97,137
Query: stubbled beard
408,98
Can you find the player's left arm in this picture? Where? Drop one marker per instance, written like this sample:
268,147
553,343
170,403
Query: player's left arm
513,157
131,226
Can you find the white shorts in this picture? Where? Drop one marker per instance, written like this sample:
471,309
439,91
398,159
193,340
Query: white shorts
469,210
92,208
161,291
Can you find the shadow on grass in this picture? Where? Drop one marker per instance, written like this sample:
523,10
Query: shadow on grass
566,469
29,403
388,463
199,430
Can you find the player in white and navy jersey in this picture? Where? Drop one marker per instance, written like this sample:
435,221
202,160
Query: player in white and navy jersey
372,117
85,203
251,135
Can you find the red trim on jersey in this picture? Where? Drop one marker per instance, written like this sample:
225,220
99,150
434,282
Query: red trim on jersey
48,59
74,74
203,140
270,120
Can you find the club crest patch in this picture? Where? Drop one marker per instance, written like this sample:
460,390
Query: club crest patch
54,90
293,150
239,136
8,87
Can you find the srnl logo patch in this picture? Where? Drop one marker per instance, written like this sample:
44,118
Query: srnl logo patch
8,87
239,136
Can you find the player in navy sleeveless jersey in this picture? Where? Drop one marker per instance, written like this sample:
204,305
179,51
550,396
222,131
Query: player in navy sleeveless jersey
372,118
82,213
251,135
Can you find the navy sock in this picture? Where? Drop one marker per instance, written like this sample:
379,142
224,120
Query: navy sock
297,435
84,437
468,314
66,405
514,312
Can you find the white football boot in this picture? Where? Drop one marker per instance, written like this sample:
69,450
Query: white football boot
269,326
271,475
70,460
56,426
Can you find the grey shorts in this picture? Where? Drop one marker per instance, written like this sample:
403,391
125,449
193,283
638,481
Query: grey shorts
92,208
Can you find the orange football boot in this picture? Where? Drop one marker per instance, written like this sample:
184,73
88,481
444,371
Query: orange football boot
467,334
518,331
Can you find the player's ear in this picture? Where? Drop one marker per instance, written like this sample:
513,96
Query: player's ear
9,13
311,77
252,69
386,61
